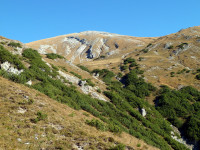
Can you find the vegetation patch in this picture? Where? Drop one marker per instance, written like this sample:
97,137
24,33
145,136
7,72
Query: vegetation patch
172,74
40,116
145,50
105,74
89,82
75,74
101,126
54,56
182,45
181,108
14,44
118,147
198,77
171,47
84,68
129,60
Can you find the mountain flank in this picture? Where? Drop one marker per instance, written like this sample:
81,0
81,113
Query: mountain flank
98,90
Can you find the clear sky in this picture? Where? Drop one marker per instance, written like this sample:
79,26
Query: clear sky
31,20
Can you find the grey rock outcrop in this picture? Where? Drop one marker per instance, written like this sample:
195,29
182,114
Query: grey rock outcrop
10,69
168,45
82,83
83,86
181,139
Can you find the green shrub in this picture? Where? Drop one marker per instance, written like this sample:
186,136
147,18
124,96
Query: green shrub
192,127
150,44
118,147
75,74
198,77
84,68
133,64
181,46
145,50
63,68
122,68
171,47
13,44
119,75
40,116
114,128
105,74
54,56
198,70
183,70
141,58
54,67
187,71
31,54
137,85
99,90
89,82
129,60
96,123
102,56
3,43
172,74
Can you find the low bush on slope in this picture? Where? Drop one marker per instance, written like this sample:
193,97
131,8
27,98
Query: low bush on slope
9,57
121,114
54,56
182,109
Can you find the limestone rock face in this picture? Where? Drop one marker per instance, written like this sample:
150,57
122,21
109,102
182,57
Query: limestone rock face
89,45
167,45
7,67
83,86
70,78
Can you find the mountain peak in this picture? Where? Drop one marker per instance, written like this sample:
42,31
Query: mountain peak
99,32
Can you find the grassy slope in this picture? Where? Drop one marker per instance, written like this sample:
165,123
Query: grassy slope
63,127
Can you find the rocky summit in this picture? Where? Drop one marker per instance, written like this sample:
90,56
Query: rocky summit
89,45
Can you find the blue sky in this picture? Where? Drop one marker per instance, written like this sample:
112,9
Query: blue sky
31,20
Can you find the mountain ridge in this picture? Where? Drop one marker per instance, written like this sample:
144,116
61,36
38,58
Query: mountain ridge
100,49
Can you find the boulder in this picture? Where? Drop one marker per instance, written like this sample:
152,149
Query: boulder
5,66
29,82
143,112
